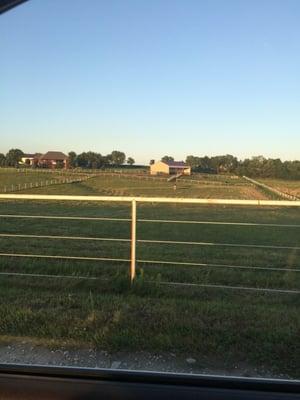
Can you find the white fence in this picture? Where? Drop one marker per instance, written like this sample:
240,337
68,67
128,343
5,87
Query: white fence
279,193
16,187
133,239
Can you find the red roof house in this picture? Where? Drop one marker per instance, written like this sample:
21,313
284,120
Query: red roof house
53,159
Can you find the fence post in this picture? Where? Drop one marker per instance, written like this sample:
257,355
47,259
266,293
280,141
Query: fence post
133,240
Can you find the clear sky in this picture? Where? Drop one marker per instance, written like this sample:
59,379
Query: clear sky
152,77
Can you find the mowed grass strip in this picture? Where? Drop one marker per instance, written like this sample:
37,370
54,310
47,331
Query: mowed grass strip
226,328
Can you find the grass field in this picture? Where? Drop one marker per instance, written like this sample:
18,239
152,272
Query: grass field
11,178
109,315
122,185
229,326
289,187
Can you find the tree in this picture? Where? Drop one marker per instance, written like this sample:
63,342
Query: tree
256,167
167,159
13,157
193,161
201,164
260,167
227,163
130,161
108,159
72,159
118,157
2,160
82,160
90,159
152,162
291,169
272,167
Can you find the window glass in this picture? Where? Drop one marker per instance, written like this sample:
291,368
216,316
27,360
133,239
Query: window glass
150,186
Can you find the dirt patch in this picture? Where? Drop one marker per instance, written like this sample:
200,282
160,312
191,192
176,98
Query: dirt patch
251,192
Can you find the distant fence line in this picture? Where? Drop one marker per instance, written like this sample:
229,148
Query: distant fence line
79,170
147,177
87,175
140,175
134,173
39,184
272,190
54,171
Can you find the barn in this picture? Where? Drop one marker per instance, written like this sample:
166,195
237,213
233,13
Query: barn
170,168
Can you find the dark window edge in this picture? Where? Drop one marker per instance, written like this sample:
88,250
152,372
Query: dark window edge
6,5
145,377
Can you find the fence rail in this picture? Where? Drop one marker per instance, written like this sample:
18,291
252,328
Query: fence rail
277,192
133,240
140,199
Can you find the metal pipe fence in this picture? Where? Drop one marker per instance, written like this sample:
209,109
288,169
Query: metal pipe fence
134,240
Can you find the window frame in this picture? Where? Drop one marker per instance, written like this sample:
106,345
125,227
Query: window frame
35,382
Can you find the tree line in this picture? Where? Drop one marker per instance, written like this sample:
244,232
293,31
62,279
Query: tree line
11,159
88,159
256,167
93,160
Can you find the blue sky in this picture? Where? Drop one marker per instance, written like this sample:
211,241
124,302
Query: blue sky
152,77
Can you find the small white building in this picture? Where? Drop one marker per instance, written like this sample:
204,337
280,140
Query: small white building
27,159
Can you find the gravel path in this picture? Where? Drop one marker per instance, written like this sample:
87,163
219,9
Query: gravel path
26,353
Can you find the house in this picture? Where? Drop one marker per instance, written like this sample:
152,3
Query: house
170,168
53,159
